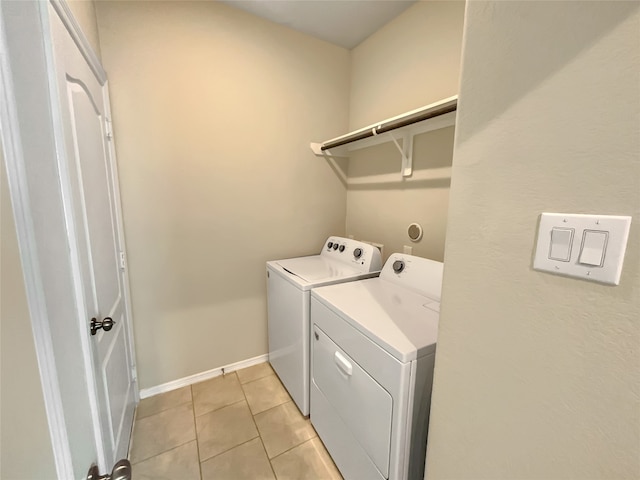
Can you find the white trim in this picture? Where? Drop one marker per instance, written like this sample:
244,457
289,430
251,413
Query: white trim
73,27
202,376
65,188
36,298
60,9
124,273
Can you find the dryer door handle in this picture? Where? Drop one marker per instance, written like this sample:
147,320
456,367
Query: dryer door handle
343,363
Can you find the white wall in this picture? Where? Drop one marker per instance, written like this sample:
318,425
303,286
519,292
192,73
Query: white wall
412,61
537,376
214,110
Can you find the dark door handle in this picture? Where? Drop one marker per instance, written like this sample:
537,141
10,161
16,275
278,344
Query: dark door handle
121,471
106,324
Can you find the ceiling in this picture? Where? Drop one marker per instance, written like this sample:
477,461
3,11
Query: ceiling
341,22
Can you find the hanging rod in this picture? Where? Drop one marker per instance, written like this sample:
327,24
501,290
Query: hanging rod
425,113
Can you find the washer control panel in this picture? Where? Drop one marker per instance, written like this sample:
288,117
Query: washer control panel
361,255
416,273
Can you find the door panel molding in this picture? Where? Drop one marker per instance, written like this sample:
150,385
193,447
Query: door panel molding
124,276
73,27
118,357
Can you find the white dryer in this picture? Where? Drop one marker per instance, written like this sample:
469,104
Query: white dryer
289,284
373,351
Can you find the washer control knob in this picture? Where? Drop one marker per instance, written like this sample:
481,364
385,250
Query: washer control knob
330,244
335,246
357,253
398,266
342,247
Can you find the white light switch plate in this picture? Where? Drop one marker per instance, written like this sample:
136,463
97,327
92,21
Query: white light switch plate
617,229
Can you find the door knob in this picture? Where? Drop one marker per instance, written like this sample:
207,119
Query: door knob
121,471
106,324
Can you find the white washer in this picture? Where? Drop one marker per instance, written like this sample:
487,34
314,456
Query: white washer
373,351
289,284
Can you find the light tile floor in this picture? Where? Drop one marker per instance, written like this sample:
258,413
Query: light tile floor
239,426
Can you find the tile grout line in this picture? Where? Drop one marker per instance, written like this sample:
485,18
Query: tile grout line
229,449
270,408
253,418
315,434
290,399
261,378
268,459
252,414
144,420
163,452
218,409
255,379
163,410
200,461
279,405
307,441
194,417
295,446
195,426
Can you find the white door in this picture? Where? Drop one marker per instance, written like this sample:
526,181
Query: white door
94,224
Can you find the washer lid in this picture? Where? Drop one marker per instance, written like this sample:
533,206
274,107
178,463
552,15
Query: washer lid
316,269
399,320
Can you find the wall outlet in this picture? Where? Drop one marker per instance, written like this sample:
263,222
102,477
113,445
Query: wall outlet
350,237
407,250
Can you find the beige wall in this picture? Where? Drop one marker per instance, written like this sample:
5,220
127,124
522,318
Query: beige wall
213,111
537,376
410,62
24,433
84,11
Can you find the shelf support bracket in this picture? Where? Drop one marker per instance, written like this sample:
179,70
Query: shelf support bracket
406,151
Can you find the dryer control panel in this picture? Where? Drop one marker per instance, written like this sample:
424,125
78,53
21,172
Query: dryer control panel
363,256
415,273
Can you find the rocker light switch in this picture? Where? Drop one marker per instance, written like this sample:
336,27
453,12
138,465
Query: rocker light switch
594,244
590,247
560,248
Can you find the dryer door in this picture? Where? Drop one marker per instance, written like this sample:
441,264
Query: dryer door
362,404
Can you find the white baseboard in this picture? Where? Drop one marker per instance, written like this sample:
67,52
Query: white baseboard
199,377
